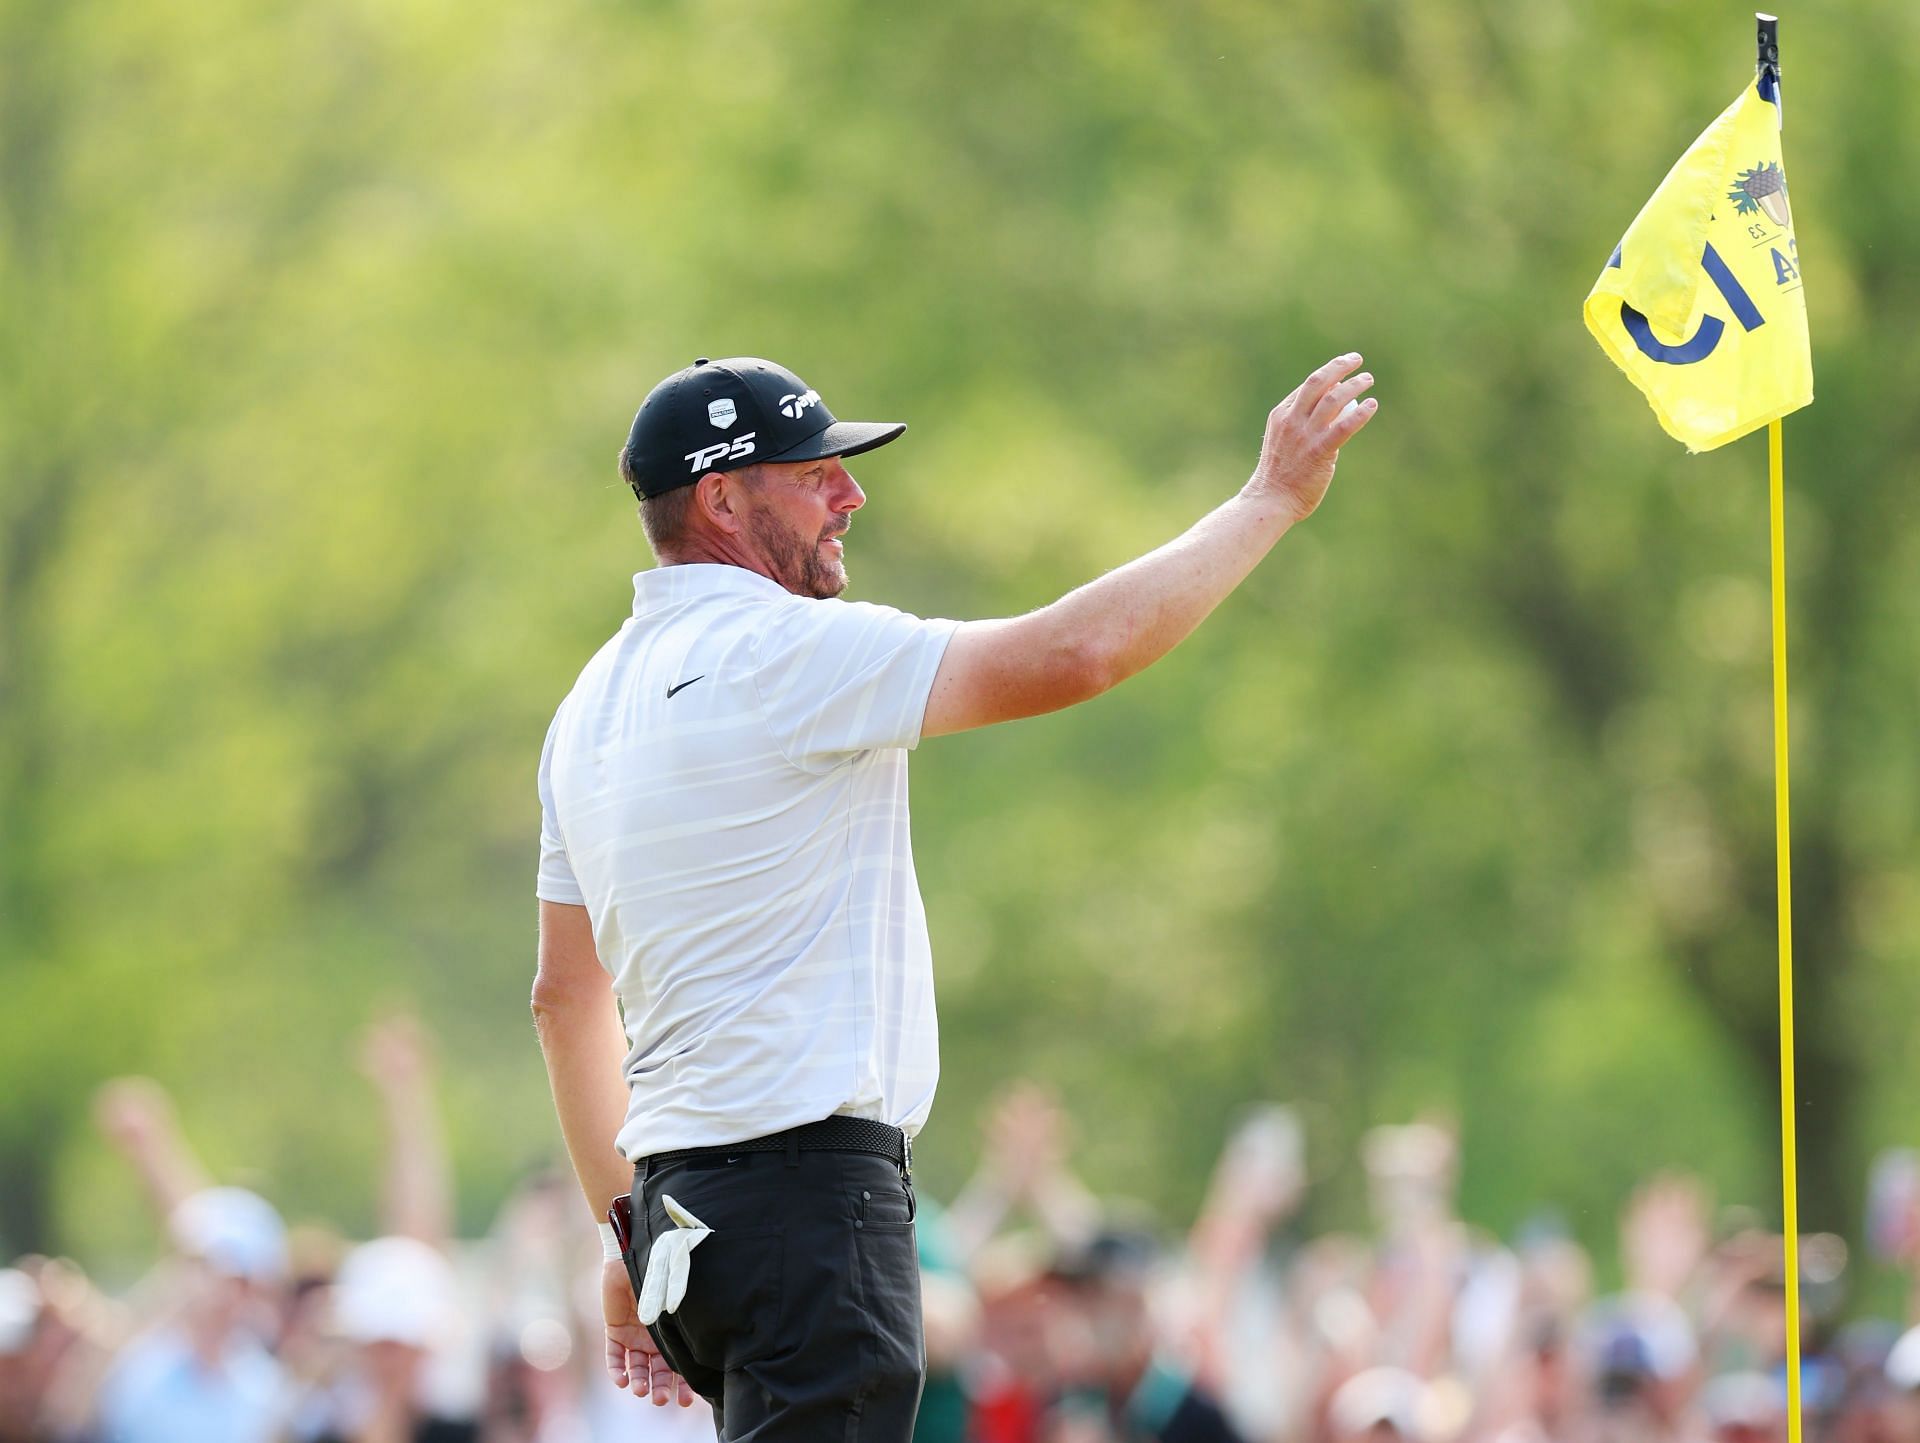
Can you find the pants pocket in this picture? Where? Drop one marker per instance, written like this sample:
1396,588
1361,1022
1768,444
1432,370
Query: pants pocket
731,1313
885,1204
887,1284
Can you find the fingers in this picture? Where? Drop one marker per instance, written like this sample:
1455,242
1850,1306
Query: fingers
1316,386
636,1365
1334,402
1323,412
1349,421
667,1385
632,1367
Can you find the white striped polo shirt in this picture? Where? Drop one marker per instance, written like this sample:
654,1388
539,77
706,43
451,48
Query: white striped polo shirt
725,791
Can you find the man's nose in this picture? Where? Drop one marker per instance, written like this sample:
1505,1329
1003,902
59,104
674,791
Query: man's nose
848,496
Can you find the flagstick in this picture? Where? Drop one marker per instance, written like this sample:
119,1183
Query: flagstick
1767,62
1783,862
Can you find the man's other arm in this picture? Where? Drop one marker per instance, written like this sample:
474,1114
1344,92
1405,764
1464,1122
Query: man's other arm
1097,636
585,1047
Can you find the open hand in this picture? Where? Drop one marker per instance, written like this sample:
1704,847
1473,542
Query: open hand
1305,433
1665,1233
135,1113
394,1052
633,1360
1025,1142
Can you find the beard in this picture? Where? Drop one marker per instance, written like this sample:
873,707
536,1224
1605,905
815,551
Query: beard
797,564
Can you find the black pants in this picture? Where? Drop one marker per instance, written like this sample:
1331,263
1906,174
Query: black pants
802,1314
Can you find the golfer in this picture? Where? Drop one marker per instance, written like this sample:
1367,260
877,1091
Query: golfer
724,835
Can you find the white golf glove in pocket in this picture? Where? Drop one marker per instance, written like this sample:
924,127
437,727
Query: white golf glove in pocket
668,1262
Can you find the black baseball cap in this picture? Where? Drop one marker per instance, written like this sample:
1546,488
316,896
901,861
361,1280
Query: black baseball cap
723,415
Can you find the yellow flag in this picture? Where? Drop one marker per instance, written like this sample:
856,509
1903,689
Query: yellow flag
1701,303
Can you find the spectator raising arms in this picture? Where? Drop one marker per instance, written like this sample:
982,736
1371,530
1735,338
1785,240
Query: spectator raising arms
1050,1315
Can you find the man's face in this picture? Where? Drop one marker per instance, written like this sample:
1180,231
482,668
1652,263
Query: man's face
796,511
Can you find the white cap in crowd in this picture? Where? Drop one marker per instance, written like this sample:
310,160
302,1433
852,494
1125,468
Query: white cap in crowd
233,1231
1903,1363
395,1290
19,1310
1390,1396
1744,1400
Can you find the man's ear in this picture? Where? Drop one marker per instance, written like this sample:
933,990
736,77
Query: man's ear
716,496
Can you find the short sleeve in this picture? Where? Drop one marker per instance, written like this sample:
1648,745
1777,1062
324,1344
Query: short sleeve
556,880
840,677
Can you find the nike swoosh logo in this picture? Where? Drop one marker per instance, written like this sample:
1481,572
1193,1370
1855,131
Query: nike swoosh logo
684,685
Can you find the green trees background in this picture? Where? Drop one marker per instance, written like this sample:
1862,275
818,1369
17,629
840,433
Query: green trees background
321,325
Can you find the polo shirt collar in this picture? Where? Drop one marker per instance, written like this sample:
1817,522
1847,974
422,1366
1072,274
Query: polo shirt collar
667,585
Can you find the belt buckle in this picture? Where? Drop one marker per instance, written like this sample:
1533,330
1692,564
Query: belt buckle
906,1156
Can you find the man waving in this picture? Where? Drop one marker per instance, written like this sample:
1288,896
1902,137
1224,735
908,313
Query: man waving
725,853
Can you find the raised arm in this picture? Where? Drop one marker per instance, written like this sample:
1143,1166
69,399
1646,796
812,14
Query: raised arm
1023,1163
416,1194
137,1116
1097,636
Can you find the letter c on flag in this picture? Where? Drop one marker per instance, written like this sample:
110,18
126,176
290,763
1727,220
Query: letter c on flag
1700,344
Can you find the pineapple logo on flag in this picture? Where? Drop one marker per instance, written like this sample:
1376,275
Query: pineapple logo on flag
1764,188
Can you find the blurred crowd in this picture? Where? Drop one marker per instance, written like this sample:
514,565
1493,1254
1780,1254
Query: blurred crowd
1051,1316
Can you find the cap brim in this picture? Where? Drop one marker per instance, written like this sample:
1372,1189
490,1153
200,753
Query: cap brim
842,438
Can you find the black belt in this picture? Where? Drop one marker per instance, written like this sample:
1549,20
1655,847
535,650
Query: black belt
831,1134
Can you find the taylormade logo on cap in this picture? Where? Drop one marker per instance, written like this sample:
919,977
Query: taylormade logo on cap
782,418
708,458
